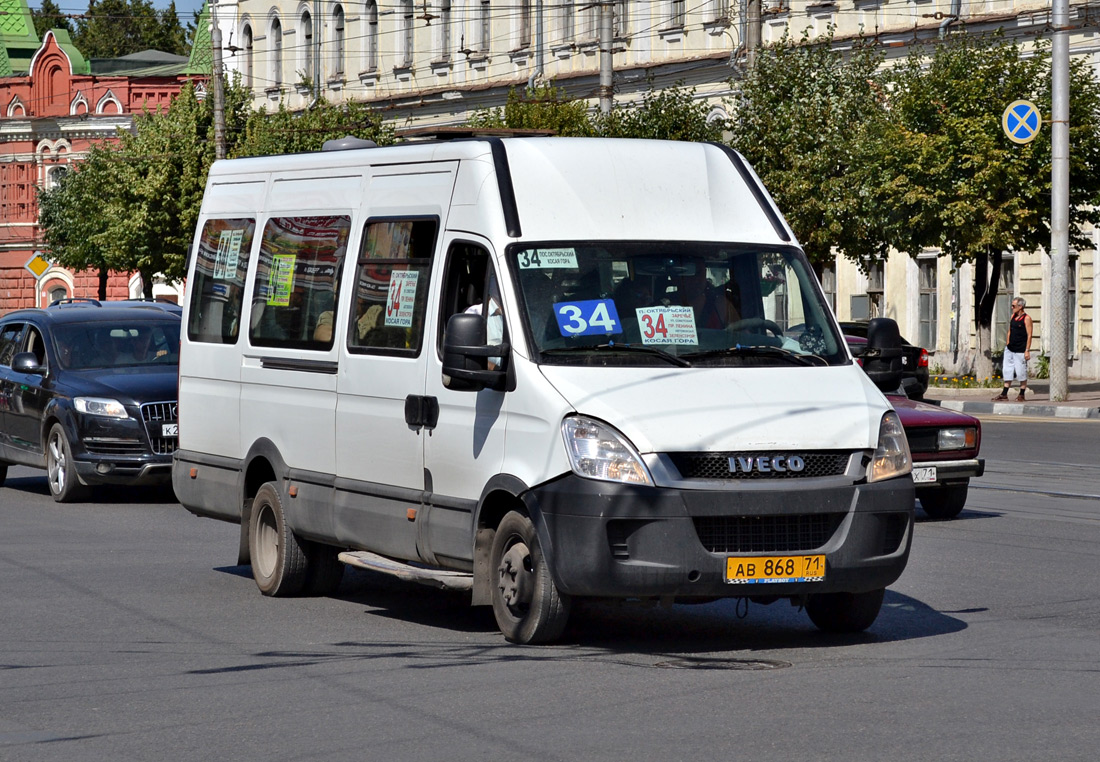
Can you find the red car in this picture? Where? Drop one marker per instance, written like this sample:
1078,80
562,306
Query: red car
944,443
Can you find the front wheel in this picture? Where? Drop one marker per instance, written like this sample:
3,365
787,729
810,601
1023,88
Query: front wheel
526,603
60,469
278,560
943,502
845,612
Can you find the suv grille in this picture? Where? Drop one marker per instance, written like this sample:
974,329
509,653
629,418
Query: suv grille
155,415
716,465
766,534
114,446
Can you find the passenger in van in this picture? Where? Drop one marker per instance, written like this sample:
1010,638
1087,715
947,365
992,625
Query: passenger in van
323,330
693,290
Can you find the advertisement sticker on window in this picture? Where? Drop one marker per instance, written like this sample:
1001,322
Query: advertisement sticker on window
282,280
548,259
401,298
229,252
667,325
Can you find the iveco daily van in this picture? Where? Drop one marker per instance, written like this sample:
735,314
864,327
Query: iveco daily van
541,369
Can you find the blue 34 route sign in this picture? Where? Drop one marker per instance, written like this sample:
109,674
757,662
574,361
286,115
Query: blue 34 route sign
1021,121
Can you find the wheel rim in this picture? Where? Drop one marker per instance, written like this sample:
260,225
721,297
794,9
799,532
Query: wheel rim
516,579
266,553
57,465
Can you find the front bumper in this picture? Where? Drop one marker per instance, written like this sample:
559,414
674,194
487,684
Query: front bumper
610,540
121,450
952,472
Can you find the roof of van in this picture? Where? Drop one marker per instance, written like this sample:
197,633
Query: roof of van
559,189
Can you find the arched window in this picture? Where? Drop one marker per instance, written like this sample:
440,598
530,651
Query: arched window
338,42
246,44
371,41
305,57
276,53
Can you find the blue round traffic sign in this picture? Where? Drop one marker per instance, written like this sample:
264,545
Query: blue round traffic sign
1021,121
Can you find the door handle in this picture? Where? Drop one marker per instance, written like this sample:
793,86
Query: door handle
421,411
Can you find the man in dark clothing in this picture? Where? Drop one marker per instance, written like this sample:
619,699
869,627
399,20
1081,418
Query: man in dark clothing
1017,350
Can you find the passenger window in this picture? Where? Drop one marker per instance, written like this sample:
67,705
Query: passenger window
217,290
294,296
471,283
391,286
9,342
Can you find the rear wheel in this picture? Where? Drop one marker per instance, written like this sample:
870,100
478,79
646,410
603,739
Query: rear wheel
60,469
845,612
278,561
526,603
943,502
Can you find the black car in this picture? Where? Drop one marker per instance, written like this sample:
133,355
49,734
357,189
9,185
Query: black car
88,392
914,359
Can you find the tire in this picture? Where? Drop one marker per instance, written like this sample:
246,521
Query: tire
278,561
65,487
943,502
526,603
324,569
3,473
845,612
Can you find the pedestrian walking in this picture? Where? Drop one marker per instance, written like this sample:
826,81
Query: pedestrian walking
1017,351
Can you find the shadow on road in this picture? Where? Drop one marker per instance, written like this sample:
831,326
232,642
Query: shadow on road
104,493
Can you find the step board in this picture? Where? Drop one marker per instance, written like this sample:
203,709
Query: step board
441,578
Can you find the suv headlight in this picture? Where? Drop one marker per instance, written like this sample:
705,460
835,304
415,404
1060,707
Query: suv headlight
100,406
892,456
597,451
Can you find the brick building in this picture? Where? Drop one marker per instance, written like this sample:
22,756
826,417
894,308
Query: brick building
54,105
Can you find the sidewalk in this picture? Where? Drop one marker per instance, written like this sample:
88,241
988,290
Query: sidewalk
1083,402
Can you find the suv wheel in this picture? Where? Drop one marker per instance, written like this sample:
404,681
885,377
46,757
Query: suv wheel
60,469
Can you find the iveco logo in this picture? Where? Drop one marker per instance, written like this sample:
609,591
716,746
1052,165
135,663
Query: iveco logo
766,465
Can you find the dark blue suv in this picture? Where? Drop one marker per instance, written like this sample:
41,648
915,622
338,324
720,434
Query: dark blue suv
88,392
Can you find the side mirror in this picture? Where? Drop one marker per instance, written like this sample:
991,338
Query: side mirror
26,362
466,356
882,358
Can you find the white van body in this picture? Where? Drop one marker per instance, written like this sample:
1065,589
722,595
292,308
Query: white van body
666,402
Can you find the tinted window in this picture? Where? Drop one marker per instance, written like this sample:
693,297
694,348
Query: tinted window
294,295
81,346
391,286
217,289
9,341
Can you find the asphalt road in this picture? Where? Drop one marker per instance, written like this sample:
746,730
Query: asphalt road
127,634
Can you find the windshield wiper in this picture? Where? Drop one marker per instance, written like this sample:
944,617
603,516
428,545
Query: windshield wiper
743,350
612,346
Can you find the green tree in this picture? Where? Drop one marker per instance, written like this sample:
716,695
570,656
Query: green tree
48,17
114,28
673,113
954,180
802,119
541,108
285,131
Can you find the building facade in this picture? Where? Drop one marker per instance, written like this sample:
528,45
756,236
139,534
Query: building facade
54,105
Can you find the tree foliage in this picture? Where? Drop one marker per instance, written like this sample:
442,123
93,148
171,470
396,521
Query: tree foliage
49,16
114,28
541,108
674,113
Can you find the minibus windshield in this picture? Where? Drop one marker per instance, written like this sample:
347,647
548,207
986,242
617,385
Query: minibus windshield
673,303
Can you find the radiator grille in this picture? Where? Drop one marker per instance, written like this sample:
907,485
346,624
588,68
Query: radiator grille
766,534
716,465
922,440
155,415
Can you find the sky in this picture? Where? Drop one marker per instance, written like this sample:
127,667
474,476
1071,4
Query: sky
183,7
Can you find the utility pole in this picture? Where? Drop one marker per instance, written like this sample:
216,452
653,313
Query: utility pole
606,66
1057,316
316,52
216,80
752,32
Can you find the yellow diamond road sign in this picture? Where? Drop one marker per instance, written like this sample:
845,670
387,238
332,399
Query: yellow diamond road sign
37,265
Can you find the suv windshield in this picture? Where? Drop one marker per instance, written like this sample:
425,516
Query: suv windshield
647,303
117,345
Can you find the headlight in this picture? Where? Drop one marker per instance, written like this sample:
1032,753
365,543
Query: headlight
957,439
597,451
892,456
100,406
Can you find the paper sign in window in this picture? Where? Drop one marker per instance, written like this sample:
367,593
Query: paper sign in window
229,252
548,259
401,298
282,280
667,325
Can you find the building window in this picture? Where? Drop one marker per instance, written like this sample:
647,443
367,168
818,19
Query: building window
246,43
565,20
621,21
589,27
524,39
1071,305
444,31
1002,306
407,33
928,302
371,42
483,28
305,34
338,42
677,13
276,53
828,286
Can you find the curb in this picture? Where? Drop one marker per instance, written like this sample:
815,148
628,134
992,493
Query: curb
1020,409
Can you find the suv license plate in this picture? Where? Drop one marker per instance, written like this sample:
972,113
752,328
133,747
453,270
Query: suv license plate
926,475
751,570
170,430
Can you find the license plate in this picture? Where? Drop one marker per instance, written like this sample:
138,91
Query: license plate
170,430
752,570
926,475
